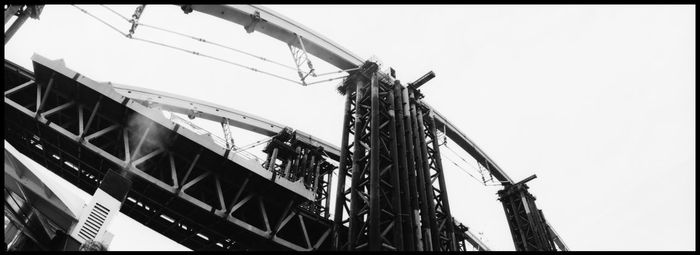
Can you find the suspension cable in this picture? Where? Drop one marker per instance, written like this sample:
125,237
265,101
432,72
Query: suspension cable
115,12
339,71
216,44
460,157
249,146
231,48
215,58
464,170
472,166
327,80
103,22
200,54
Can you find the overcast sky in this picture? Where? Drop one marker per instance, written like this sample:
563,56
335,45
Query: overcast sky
598,101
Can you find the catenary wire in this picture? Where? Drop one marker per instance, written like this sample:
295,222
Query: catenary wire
199,39
100,20
200,54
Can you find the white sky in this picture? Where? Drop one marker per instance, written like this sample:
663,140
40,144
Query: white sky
598,101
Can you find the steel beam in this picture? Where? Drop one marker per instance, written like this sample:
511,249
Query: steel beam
15,25
199,197
345,163
275,25
213,112
359,197
528,227
412,239
447,241
430,195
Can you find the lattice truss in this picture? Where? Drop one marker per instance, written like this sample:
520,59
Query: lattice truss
374,204
395,200
80,129
528,227
444,224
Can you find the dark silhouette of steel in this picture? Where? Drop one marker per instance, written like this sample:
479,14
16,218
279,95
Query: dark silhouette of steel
408,215
393,202
446,238
183,187
23,12
528,227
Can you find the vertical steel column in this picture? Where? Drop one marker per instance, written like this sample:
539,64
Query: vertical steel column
287,167
345,162
295,167
527,226
273,158
316,176
359,197
310,170
317,192
328,195
374,208
375,202
304,165
427,209
407,217
435,236
414,187
544,229
443,214
385,163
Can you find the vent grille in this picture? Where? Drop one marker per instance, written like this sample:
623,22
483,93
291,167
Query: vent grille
94,222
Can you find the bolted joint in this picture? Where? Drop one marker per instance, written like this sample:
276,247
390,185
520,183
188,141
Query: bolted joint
254,19
364,73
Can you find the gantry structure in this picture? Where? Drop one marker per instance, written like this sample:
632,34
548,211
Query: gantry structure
207,194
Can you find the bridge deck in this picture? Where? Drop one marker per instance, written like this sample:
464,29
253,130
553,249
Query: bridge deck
183,185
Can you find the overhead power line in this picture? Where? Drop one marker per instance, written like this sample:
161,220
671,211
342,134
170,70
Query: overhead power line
470,165
198,53
100,20
464,170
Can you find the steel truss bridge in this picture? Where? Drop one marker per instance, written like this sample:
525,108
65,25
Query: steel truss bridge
390,193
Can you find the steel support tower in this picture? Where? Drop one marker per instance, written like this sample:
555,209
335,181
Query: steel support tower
391,192
527,224
397,198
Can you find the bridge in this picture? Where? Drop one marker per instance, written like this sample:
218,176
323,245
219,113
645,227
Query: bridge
206,194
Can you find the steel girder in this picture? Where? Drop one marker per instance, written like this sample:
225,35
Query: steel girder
218,113
284,29
374,193
409,201
341,212
527,225
466,239
394,144
427,202
445,226
183,187
275,25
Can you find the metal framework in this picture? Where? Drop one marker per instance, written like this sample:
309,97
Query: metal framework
397,198
214,112
445,232
184,189
374,222
528,227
